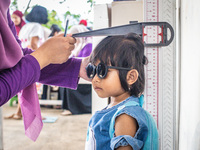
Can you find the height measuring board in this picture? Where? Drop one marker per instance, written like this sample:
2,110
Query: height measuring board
152,53
160,73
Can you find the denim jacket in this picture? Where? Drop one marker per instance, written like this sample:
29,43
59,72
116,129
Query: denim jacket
101,135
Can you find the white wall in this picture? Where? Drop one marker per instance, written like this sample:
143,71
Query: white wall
189,135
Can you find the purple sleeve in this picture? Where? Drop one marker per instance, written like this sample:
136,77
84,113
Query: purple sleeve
13,80
64,75
86,51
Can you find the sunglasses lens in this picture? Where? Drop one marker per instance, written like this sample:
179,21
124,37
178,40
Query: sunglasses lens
101,70
90,69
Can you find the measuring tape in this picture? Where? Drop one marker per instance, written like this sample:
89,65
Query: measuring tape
151,95
160,101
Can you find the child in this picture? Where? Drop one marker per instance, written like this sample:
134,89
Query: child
117,71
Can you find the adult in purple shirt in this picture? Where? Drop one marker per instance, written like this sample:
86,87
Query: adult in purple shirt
21,68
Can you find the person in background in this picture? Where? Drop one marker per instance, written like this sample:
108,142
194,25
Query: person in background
83,22
55,30
32,34
47,32
117,71
78,101
83,46
18,20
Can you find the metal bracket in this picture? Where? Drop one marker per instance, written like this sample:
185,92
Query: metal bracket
165,41
134,27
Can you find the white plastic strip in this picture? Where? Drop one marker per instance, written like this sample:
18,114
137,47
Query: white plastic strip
160,91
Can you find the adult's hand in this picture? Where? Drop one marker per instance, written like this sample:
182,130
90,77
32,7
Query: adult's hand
82,72
55,50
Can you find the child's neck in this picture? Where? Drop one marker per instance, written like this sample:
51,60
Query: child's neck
116,100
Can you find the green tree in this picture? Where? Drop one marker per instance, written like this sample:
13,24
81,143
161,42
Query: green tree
13,5
75,17
53,19
92,2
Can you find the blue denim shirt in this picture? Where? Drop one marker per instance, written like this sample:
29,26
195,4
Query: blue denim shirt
98,136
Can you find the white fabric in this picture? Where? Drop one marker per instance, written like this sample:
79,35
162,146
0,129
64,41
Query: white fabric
80,42
30,30
47,32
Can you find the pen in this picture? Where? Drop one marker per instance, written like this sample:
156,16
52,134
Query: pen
66,27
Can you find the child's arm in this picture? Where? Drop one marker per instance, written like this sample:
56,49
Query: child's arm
125,125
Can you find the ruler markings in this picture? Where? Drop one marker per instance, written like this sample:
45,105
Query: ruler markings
152,69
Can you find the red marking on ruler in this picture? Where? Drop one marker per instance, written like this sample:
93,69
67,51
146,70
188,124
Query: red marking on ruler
151,12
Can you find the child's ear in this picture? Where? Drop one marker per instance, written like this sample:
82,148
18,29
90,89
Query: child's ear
132,76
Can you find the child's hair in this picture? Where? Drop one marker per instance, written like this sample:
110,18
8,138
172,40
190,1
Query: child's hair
123,51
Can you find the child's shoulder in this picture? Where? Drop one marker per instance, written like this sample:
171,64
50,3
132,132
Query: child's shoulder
131,106
136,112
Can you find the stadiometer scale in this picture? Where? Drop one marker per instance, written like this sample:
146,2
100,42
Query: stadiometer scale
160,90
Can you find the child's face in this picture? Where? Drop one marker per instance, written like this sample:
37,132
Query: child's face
110,86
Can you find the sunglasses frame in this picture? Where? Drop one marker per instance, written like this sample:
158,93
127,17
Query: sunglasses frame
95,70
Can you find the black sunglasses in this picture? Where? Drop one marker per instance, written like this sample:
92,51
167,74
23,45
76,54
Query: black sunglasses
101,69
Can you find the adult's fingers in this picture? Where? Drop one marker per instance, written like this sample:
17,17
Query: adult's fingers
71,47
68,38
71,40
